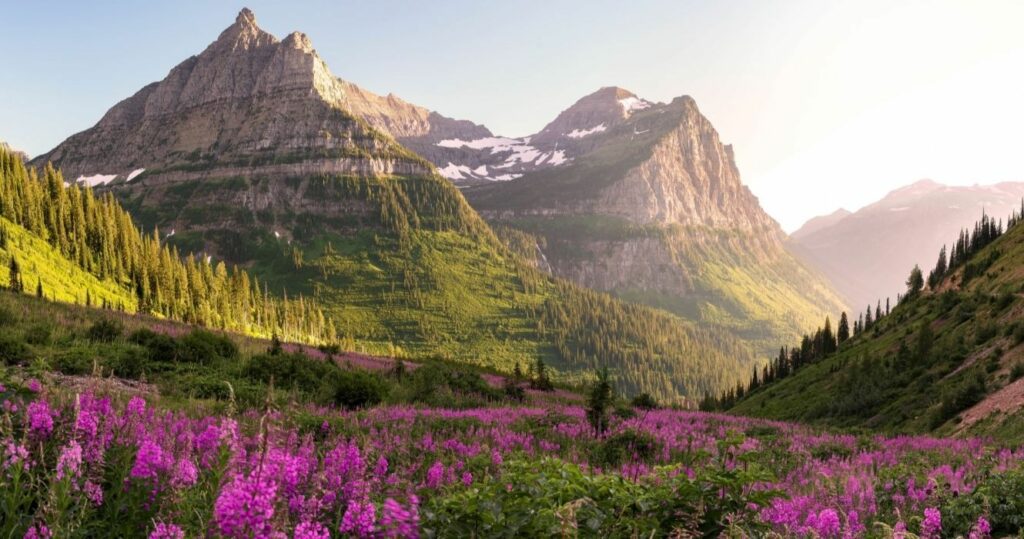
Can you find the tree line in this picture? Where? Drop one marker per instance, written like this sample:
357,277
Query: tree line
825,342
98,235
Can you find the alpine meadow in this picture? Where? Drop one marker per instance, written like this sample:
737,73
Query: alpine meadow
252,299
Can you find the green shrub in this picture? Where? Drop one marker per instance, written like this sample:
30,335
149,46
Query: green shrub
39,334
357,389
13,351
626,446
105,330
159,347
73,362
129,362
644,401
205,347
1017,371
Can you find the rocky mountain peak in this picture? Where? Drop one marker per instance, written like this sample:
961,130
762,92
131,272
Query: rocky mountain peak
243,35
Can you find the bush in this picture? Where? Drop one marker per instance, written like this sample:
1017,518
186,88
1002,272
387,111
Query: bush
38,334
290,371
357,389
13,351
73,362
645,401
105,330
626,446
159,347
129,362
204,347
961,397
1017,371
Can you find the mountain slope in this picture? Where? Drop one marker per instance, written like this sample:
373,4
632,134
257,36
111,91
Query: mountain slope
651,207
868,253
949,360
253,152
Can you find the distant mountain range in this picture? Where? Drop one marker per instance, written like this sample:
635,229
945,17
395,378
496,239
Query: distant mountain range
868,254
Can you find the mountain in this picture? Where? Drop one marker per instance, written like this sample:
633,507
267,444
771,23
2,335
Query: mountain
818,223
648,204
868,254
253,152
947,359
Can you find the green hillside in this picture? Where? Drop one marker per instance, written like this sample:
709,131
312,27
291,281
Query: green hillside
413,272
947,359
60,279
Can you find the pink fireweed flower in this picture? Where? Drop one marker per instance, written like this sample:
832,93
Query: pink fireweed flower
15,456
38,531
382,467
467,478
185,473
435,475
359,519
311,530
93,492
69,463
397,521
34,386
40,419
166,531
150,460
931,526
245,508
981,530
136,406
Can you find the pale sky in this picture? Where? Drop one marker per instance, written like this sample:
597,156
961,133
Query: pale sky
828,104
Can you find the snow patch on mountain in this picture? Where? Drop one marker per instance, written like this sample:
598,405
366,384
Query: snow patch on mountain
632,104
580,133
134,173
95,179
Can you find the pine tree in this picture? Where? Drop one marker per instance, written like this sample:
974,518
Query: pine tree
915,282
598,401
843,333
14,272
39,288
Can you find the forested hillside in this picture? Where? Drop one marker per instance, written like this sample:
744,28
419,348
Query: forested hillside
948,358
79,248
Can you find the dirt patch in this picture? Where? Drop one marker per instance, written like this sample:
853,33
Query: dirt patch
1007,400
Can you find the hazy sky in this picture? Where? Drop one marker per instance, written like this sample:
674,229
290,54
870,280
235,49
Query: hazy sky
828,104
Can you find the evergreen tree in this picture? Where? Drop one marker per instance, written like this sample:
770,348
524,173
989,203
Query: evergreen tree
540,376
39,288
843,333
915,282
598,401
14,273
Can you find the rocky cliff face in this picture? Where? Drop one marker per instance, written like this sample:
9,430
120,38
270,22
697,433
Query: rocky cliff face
869,253
649,205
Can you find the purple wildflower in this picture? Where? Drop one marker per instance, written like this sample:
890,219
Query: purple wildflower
40,418
311,530
435,475
931,526
359,519
166,531
245,507
69,463
34,386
